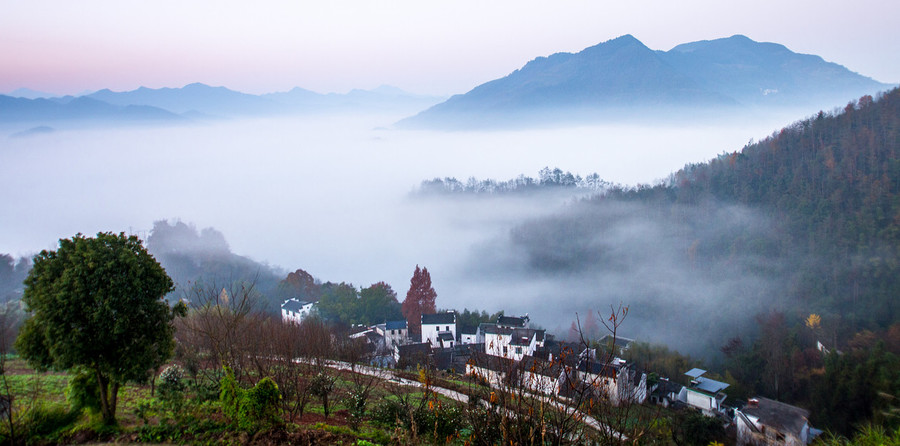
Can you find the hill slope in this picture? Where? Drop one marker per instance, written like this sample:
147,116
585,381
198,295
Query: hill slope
806,221
762,73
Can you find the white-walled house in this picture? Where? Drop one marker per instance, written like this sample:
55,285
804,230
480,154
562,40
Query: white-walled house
513,343
294,310
703,393
395,333
468,335
609,378
531,373
765,421
439,329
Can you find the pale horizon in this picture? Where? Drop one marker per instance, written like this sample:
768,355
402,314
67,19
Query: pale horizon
441,49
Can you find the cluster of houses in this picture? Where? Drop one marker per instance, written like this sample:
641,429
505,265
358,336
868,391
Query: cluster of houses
510,353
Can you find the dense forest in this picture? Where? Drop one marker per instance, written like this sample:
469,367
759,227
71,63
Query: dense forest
822,205
834,182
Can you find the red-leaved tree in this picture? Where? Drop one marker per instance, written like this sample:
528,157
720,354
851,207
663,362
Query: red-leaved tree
419,299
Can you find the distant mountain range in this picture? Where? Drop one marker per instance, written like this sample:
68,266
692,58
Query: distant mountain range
198,101
81,109
624,78
617,79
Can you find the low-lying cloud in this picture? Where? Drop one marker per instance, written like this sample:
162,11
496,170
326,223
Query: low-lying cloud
331,195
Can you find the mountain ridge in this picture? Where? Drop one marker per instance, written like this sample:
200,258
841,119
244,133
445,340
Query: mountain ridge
623,75
200,102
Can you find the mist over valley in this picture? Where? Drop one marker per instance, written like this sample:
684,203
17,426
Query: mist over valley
333,196
358,188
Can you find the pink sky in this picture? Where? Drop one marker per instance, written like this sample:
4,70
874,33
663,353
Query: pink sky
436,47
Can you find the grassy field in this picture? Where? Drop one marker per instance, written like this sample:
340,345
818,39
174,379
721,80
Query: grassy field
393,414
42,415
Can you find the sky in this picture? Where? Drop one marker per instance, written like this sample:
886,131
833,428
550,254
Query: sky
426,47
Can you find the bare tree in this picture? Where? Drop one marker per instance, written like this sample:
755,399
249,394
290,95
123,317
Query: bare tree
216,330
357,353
577,394
10,320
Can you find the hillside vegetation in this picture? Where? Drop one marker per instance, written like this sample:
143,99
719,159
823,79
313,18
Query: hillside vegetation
809,217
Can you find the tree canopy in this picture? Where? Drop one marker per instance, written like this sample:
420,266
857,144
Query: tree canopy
342,303
419,299
97,303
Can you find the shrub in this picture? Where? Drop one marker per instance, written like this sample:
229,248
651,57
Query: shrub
249,408
439,420
356,406
171,380
230,395
171,387
42,420
83,392
322,385
261,404
390,413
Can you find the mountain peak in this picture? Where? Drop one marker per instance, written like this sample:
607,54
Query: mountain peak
740,38
198,86
626,38
619,42
622,75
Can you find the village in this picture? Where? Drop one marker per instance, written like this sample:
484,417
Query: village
508,352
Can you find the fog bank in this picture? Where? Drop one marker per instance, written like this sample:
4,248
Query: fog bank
331,195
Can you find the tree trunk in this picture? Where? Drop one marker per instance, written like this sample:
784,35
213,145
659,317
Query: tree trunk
107,398
103,384
114,400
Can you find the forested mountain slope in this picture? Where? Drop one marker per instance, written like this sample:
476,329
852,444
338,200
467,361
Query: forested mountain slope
805,221
834,181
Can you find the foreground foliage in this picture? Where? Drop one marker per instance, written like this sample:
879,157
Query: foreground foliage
96,303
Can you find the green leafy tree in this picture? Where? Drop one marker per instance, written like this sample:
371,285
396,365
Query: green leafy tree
378,304
339,303
97,303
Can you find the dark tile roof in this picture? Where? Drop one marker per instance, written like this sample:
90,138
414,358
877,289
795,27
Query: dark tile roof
781,416
510,321
445,336
609,370
522,337
443,359
491,362
373,337
415,355
413,349
665,386
395,325
541,366
439,318
293,305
